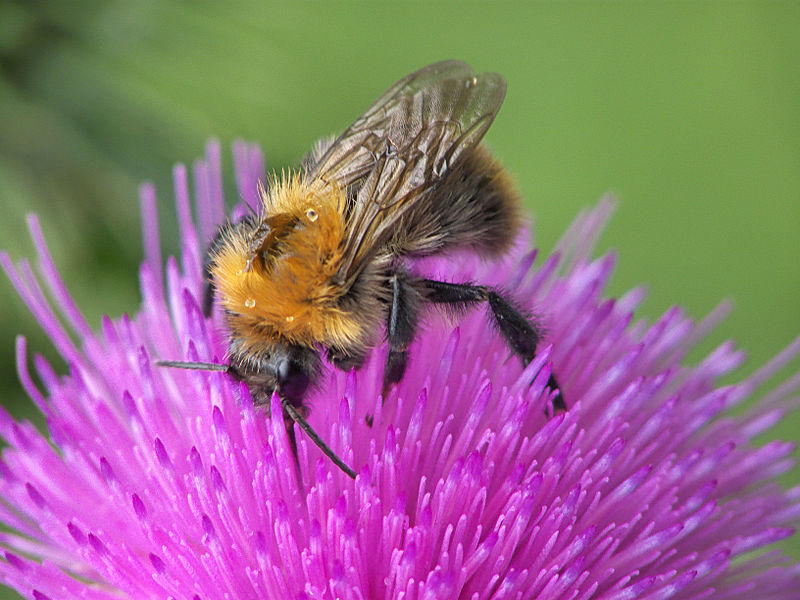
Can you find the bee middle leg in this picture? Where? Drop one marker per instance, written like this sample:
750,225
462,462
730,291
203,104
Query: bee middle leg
400,327
519,332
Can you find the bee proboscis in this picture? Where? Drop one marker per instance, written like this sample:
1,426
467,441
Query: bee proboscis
325,266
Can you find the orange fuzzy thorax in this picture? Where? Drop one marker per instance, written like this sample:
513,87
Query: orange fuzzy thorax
293,295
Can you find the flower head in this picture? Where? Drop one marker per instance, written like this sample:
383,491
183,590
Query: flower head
163,483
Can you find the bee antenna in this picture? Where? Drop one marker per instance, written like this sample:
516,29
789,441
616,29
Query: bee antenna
298,418
195,366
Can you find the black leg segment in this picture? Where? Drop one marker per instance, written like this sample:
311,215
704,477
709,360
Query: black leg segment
517,330
458,296
346,362
520,332
400,328
522,335
558,402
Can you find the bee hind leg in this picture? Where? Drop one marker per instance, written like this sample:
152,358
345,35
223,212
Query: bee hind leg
520,332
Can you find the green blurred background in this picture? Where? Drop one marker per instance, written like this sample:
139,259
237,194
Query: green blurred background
689,113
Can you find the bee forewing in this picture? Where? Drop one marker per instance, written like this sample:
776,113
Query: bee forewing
402,145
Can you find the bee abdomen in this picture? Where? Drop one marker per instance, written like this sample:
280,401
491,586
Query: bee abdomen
474,205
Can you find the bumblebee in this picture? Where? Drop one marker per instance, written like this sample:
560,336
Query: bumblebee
325,267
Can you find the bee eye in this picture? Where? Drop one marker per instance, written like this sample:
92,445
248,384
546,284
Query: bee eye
311,214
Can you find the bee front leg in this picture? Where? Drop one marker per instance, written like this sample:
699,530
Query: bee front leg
520,332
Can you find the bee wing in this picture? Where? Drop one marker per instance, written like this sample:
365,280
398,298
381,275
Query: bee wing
402,145
352,155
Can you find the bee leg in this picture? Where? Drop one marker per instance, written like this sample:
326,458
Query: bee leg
522,336
346,362
400,328
520,333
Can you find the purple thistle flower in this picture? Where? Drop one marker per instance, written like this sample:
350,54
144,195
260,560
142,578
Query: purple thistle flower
163,483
